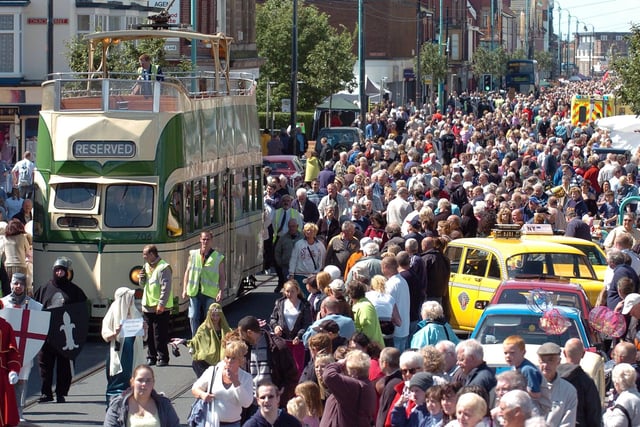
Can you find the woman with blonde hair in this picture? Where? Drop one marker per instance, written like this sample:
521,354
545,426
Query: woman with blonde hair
206,346
310,392
385,306
320,364
229,387
307,256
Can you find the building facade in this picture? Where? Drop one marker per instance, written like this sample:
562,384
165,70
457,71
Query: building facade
34,35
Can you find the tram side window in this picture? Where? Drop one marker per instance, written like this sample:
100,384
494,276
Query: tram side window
174,215
237,193
214,205
198,204
257,189
188,204
246,190
129,206
75,195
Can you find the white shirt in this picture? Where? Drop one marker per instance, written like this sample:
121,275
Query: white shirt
398,288
228,402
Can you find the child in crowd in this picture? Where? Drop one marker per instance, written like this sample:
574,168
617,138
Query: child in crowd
310,392
433,397
418,386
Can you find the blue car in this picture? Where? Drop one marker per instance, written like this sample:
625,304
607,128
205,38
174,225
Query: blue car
499,321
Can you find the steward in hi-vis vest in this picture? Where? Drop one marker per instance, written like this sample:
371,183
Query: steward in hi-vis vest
204,279
157,301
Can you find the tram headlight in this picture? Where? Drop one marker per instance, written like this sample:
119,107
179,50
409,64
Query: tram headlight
134,275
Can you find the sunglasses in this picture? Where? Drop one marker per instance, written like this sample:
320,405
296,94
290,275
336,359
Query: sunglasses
408,371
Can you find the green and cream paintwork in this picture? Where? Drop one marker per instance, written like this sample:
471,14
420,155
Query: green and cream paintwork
178,148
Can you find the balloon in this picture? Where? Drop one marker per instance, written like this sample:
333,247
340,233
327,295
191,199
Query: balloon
607,321
553,322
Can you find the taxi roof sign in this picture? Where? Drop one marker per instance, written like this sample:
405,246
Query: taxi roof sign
541,229
507,231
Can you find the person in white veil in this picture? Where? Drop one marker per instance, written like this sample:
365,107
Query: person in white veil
125,353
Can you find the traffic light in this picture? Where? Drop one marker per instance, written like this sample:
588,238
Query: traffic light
486,82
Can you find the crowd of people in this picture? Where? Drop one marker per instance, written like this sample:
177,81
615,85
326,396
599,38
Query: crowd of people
360,335
380,215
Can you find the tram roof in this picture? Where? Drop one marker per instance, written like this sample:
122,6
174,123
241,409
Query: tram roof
114,37
218,44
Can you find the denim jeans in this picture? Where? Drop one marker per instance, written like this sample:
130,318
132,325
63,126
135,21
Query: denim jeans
198,307
401,343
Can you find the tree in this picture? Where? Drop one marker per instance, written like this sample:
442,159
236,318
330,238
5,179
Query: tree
325,57
433,63
628,71
492,62
545,61
126,59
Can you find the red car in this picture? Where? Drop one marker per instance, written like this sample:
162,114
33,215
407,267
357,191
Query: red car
559,292
289,166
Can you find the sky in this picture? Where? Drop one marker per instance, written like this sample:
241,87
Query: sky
604,15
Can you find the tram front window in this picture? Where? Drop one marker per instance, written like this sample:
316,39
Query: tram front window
128,206
75,195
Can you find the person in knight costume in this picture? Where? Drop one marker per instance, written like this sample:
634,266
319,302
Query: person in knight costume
18,298
57,292
9,368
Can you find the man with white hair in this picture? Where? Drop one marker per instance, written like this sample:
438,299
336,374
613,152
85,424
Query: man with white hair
516,407
470,356
306,207
448,350
370,264
337,198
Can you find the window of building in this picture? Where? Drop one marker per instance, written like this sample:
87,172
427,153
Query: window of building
603,37
84,23
10,35
619,38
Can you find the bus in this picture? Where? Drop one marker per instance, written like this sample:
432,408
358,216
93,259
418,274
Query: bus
522,76
119,168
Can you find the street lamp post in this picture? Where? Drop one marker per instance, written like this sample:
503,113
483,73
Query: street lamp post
577,44
591,42
294,76
420,14
568,41
440,52
266,124
559,40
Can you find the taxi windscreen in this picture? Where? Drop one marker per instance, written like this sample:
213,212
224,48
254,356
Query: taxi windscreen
556,264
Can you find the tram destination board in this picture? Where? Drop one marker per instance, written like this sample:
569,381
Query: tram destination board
123,149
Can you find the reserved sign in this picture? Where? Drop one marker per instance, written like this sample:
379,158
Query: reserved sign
120,149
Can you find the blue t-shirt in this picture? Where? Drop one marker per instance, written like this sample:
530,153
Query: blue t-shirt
532,374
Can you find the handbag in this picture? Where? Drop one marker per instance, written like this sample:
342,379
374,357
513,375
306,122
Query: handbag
200,408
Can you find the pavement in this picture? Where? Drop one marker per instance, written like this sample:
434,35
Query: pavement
85,405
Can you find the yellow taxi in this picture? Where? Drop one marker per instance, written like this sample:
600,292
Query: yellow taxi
479,265
591,249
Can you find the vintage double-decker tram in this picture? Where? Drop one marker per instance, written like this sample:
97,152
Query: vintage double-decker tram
119,168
